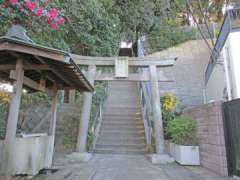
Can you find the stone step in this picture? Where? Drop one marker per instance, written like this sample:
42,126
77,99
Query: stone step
122,131
122,128
125,104
132,140
119,151
122,113
122,118
120,134
120,106
119,146
124,123
123,109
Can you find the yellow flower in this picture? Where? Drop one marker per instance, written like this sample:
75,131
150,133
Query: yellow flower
169,101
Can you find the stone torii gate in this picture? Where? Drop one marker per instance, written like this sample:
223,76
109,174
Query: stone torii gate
121,65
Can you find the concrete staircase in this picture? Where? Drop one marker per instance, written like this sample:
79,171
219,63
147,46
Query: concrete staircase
122,130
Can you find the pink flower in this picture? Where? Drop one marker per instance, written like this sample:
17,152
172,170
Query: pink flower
53,26
53,13
30,5
60,21
40,12
49,22
13,2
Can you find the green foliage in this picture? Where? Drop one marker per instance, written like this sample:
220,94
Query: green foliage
182,131
98,98
97,27
27,101
91,27
34,98
169,33
170,109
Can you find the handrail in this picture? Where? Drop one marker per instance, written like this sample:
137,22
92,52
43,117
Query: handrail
146,110
97,122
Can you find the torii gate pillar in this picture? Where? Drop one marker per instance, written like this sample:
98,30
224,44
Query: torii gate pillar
156,108
85,115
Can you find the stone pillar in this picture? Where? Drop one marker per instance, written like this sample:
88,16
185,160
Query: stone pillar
85,115
9,143
156,110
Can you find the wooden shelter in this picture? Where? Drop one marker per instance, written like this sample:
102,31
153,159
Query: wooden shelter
35,68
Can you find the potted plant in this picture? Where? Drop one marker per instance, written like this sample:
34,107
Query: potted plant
184,147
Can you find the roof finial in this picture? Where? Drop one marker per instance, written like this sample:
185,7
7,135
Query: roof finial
17,31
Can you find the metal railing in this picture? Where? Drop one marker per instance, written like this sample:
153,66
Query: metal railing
97,120
146,111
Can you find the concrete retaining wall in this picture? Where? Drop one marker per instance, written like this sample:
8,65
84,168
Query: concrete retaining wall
31,154
211,136
188,71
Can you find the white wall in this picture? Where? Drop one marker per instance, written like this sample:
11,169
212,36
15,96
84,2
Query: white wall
234,39
225,78
216,84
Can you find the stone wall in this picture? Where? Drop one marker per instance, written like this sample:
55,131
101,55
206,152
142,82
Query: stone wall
211,136
188,72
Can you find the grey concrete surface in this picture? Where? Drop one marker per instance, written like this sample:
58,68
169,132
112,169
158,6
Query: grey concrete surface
131,167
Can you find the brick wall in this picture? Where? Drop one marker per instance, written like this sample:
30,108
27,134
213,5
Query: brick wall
187,73
211,136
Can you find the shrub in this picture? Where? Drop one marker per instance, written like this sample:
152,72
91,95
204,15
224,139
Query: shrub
182,131
170,106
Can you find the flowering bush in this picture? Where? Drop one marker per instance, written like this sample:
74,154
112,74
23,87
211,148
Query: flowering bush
169,101
169,109
36,8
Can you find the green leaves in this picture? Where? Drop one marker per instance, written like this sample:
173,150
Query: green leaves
182,131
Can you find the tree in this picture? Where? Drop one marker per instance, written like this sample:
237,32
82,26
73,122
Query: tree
32,8
96,27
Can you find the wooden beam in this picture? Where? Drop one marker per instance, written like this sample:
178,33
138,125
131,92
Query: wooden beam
31,83
37,51
38,67
7,67
4,67
132,77
133,61
59,75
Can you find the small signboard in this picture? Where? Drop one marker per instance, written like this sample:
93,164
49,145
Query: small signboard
121,67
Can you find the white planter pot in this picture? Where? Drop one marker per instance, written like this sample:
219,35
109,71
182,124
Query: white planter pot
185,155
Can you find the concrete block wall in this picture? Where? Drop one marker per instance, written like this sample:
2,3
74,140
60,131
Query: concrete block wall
188,71
211,136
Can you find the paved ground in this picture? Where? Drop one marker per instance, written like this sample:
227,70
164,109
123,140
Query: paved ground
131,167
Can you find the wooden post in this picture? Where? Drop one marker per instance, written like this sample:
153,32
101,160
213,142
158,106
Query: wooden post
52,129
156,108
86,111
9,143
